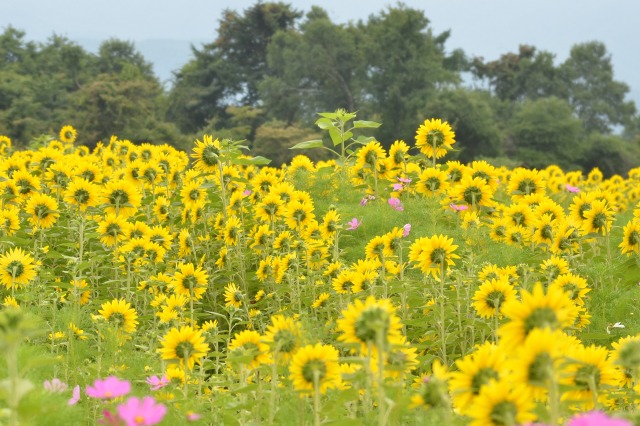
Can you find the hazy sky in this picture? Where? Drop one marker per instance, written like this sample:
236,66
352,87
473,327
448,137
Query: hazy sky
485,28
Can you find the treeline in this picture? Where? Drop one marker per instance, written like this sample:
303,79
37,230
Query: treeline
271,69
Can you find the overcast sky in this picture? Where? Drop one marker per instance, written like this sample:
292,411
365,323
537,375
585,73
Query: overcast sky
486,28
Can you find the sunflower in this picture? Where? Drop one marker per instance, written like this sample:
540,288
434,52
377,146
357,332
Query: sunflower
9,221
456,171
315,367
264,181
120,313
192,192
598,219
283,336
631,239
476,370
525,182
519,214
68,134
82,193
261,237
27,184
161,208
432,181
298,214
392,242
330,225
538,363
190,281
485,171
544,228
5,144
283,241
432,389
575,286
553,310
185,344
433,254
554,266
626,355
112,229
233,296
474,192
398,154
316,255
370,156
17,268
135,251
550,207
372,323
43,210
344,282
247,348
588,370
120,198
320,301
232,231
501,403
269,208
375,247
516,235
435,138
89,171
492,295
207,153
580,205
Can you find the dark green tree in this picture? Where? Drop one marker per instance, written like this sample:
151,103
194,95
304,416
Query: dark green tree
595,96
406,66
544,132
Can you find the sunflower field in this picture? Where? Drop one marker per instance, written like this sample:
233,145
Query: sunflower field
143,285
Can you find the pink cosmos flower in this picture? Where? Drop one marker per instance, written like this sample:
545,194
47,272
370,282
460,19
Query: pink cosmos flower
111,387
404,180
157,383
396,204
192,417
571,188
109,419
398,187
459,208
597,418
366,199
137,412
406,229
353,224
246,192
55,385
75,396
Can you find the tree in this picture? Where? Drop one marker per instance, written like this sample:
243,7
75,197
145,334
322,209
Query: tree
528,74
406,65
544,132
314,69
228,70
595,96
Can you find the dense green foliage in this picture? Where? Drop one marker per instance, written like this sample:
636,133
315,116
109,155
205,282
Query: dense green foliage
272,67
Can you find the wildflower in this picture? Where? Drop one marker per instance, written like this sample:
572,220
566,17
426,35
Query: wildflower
458,208
596,418
573,189
136,412
406,229
157,383
366,199
55,385
353,224
75,396
111,387
396,204
616,325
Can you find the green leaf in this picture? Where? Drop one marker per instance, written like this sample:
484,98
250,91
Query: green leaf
315,143
360,124
347,135
336,137
330,115
365,139
258,160
325,123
